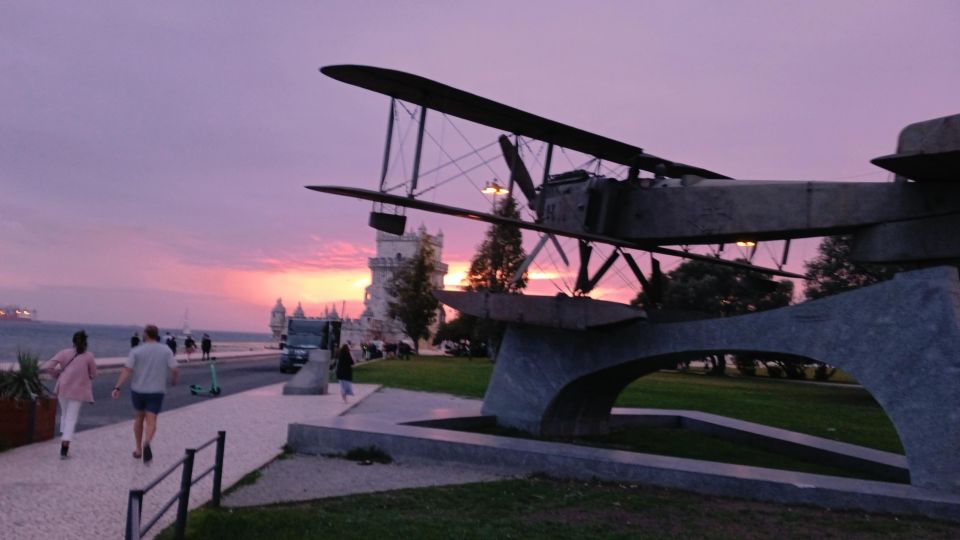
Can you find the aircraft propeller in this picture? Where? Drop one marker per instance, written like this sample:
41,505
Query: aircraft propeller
520,176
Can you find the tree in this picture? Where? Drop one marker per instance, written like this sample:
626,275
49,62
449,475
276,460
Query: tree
498,258
833,271
411,291
457,330
720,291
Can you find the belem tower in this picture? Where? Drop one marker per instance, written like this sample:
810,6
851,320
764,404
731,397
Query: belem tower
373,323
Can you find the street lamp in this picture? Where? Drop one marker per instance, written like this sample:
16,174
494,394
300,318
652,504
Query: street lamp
493,188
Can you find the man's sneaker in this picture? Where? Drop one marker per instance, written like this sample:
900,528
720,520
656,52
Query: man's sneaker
147,453
63,451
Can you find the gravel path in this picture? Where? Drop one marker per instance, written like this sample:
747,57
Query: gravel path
301,477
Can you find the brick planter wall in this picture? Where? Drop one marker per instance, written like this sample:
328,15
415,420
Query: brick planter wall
15,421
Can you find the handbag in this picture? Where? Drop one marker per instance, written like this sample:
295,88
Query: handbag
60,370
55,374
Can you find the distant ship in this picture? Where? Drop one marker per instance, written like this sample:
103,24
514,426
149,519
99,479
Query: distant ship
16,313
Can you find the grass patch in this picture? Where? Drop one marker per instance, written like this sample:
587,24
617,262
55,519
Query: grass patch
844,414
677,442
248,479
446,374
549,509
286,452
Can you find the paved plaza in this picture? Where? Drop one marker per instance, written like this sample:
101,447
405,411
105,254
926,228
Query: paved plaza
85,496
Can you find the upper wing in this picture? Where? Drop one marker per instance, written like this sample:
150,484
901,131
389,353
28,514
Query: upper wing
408,202
449,100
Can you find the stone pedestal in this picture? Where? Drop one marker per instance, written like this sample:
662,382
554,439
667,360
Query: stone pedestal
313,377
900,339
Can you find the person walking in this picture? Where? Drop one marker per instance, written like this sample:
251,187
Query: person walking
189,345
75,369
345,372
205,345
147,368
172,343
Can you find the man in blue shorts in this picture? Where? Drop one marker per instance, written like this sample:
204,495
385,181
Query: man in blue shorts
147,368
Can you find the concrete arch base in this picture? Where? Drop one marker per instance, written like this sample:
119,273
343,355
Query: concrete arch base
900,339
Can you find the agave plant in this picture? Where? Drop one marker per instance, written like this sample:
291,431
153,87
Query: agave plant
23,382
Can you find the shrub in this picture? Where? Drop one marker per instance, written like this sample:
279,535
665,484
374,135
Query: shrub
24,382
823,372
746,365
773,370
368,454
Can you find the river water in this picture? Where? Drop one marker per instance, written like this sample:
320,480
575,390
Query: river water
46,338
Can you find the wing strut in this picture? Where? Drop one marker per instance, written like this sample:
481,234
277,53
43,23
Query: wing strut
603,270
389,143
416,156
786,253
396,222
518,275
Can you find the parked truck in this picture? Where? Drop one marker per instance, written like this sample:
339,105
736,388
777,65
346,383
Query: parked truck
304,335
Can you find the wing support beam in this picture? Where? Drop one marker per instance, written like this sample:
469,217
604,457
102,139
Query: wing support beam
388,144
416,157
585,283
518,275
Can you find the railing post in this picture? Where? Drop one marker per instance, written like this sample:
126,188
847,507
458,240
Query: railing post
218,467
186,479
134,508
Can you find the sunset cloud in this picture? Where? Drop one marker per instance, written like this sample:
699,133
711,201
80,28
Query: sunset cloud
337,255
179,182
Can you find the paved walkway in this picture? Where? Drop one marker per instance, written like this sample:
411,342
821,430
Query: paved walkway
85,496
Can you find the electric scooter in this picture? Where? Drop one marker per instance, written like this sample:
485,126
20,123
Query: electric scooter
214,389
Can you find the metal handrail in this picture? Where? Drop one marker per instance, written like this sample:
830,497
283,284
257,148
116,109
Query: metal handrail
134,531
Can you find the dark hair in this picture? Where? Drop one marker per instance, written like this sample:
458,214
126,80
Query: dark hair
344,348
152,332
80,341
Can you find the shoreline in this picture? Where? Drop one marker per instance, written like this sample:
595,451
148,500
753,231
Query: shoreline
224,351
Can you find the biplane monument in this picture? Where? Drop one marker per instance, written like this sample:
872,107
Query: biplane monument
564,359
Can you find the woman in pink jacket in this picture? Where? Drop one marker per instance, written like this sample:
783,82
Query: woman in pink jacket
75,369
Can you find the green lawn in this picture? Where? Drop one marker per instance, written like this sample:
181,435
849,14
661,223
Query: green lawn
541,508
553,509
682,443
840,413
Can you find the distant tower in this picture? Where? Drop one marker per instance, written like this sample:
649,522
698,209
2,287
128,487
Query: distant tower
391,252
278,319
298,313
186,322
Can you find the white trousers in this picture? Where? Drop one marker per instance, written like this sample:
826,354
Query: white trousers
69,413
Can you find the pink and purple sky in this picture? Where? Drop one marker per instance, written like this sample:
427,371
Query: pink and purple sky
153,155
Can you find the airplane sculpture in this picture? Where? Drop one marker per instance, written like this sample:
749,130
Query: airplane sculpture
564,360
910,220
